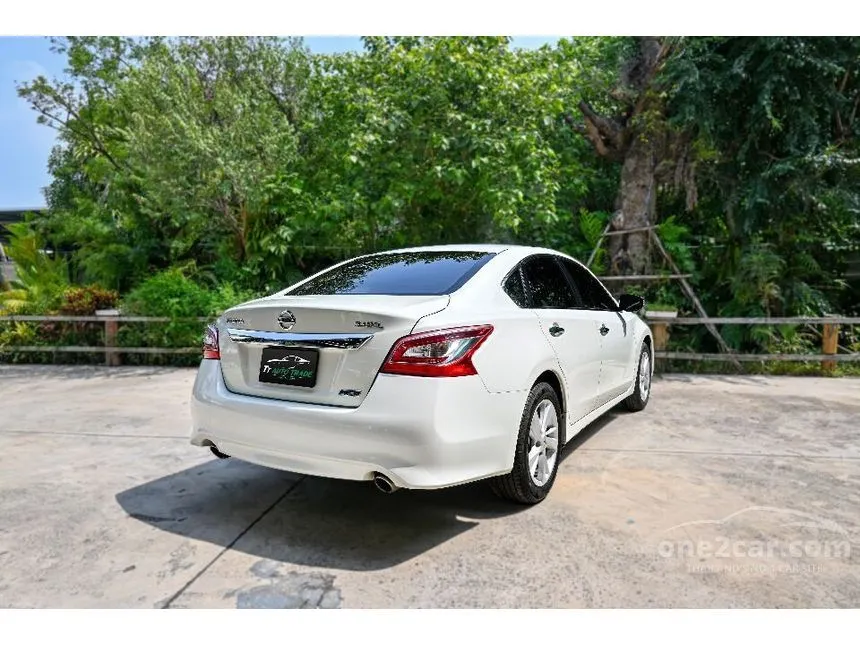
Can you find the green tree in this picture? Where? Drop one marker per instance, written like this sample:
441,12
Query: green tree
250,160
168,147
755,138
434,140
776,122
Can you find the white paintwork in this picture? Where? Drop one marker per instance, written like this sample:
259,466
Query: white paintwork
618,354
421,432
578,354
338,369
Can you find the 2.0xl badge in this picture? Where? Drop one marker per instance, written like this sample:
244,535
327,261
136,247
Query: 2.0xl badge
373,324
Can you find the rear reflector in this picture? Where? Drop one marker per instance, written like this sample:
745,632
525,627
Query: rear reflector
210,343
446,352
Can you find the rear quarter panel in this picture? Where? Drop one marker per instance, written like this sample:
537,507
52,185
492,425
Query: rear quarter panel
515,354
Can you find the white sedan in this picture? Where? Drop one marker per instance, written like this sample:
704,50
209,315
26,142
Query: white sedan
423,368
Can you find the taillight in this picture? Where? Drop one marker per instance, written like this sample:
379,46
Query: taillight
446,352
210,343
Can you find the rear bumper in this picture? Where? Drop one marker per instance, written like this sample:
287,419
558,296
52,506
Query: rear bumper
420,432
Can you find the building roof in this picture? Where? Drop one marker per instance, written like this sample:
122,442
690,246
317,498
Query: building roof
10,216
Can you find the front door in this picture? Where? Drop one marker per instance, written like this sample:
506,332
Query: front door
615,373
615,329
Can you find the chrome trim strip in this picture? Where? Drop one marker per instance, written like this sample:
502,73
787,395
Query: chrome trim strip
339,341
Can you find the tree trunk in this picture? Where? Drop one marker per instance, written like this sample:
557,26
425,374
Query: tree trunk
635,208
636,137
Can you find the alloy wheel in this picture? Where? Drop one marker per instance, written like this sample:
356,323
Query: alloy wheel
644,375
543,442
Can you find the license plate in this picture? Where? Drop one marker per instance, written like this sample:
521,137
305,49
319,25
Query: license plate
286,366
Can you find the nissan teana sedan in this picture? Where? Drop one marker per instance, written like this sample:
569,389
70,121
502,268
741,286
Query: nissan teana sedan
423,368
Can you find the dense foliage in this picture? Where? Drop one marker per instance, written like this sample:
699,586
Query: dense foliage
174,295
192,171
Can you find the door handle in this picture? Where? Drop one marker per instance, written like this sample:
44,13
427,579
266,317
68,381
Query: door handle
604,330
555,330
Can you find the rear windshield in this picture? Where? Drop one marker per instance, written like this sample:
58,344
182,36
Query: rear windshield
417,273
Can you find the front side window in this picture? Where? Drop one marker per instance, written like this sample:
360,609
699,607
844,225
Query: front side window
406,273
592,293
547,285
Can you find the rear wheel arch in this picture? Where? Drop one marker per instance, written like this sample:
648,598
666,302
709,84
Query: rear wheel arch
520,484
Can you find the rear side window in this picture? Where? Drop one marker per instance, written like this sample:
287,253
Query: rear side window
416,273
548,286
515,289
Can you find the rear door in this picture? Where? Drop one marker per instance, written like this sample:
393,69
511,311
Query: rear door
572,331
324,340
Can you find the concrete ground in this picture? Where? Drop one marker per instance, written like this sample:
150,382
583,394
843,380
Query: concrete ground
724,492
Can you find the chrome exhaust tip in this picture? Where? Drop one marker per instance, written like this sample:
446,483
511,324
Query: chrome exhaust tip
384,484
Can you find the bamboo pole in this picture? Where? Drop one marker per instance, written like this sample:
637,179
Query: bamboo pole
693,298
640,278
597,246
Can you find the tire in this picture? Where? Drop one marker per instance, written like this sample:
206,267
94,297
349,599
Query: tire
526,485
642,390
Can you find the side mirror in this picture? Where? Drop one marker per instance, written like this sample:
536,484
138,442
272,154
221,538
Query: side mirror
631,303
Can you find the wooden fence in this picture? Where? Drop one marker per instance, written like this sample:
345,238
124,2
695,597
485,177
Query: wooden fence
660,327
111,321
829,356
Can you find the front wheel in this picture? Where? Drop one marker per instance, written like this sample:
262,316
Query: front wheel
642,390
537,451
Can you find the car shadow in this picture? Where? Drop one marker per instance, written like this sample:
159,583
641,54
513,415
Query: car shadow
310,521
316,521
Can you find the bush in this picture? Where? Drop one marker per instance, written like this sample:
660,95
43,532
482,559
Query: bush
170,294
79,301
174,295
85,301
17,334
41,278
74,301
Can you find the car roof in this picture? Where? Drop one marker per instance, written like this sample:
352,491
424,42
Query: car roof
486,248
513,253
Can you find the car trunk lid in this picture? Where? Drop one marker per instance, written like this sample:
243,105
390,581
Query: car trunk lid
345,338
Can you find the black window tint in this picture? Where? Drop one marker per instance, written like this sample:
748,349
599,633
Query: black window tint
514,288
547,284
590,290
417,273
